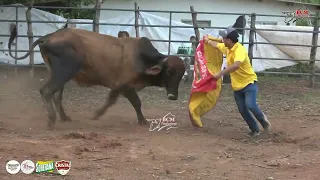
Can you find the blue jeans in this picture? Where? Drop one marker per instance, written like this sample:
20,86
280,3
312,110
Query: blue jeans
246,101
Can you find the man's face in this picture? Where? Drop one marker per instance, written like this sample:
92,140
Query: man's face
226,42
124,35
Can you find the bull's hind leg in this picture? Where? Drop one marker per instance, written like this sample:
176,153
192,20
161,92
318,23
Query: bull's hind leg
135,101
47,99
112,98
57,100
63,68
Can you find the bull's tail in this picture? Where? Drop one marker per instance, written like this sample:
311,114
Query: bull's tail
13,35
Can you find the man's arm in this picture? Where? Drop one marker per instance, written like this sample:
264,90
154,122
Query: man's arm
239,58
218,45
213,43
231,68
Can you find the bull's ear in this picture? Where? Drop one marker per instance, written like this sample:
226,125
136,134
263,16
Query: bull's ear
154,70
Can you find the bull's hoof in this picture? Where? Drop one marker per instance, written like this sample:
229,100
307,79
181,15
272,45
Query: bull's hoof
142,122
97,115
51,126
52,117
172,97
65,118
52,120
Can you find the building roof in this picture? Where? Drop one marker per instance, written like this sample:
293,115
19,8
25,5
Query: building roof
299,2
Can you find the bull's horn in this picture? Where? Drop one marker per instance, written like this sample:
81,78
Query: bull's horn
165,60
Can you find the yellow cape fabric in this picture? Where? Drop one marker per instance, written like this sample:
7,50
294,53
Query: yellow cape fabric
202,102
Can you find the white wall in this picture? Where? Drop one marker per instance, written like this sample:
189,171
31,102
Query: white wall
231,6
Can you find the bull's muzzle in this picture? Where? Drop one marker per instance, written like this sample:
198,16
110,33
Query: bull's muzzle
172,97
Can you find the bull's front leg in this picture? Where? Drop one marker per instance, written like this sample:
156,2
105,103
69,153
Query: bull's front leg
112,98
134,99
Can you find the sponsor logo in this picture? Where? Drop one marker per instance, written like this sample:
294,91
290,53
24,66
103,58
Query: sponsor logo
63,166
44,166
301,13
27,167
168,121
13,167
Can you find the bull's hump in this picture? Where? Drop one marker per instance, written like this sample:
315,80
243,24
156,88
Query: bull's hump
86,33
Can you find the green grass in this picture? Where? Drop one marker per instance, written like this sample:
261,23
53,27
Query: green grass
311,97
267,78
298,68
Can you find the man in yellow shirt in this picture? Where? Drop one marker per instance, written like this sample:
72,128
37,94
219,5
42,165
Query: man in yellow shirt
243,79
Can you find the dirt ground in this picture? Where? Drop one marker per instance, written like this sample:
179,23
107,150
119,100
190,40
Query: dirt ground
117,148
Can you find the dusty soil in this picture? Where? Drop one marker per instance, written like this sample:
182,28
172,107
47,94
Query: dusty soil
116,147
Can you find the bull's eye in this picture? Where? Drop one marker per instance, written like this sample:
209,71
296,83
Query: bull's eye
170,72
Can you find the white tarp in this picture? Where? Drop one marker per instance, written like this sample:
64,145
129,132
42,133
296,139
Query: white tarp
301,38
159,33
39,29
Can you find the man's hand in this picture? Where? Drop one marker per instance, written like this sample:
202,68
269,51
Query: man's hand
209,41
206,39
218,75
228,70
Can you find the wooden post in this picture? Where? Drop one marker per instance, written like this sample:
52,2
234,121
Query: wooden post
96,18
30,36
197,33
195,23
16,45
313,53
170,23
70,24
136,19
251,36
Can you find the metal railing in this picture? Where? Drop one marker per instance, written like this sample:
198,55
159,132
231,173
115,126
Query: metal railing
251,42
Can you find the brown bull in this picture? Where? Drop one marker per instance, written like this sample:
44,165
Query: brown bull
124,65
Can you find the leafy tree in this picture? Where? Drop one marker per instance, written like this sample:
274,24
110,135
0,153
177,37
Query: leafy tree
66,13
304,22
311,1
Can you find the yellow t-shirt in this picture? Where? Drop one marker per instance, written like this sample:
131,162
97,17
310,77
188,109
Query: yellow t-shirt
245,74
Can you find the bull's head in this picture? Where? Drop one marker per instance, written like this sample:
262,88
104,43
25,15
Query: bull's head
168,74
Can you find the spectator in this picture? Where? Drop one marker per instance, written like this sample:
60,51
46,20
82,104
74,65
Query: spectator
123,34
188,49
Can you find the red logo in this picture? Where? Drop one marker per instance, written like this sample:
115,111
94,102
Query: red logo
63,166
302,13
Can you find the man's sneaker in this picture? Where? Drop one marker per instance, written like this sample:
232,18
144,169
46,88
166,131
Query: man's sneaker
266,124
254,133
